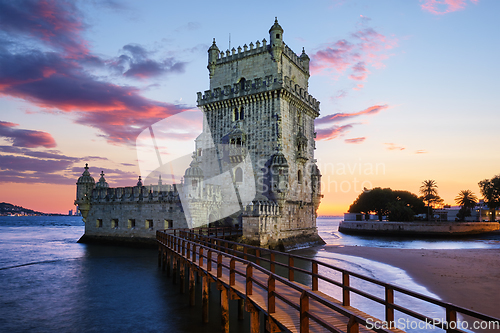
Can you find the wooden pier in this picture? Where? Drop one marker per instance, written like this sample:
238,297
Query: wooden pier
248,274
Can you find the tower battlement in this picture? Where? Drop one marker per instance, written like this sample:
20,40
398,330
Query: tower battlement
258,85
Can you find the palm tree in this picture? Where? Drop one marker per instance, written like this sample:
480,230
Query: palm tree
429,194
490,189
467,200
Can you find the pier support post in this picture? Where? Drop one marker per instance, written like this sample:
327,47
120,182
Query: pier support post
192,290
224,304
168,256
241,308
174,277
204,297
254,317
182,277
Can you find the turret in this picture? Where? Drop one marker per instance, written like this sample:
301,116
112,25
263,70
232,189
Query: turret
304,58
276,40
279,183
84,187
102,182
213,55
194,177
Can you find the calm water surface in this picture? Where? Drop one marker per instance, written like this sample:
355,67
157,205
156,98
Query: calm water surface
51,283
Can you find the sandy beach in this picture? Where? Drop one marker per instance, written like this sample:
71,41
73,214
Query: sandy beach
466,277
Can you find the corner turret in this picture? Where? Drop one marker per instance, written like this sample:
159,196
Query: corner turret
213,55
304,58
102,182
276,40
84,187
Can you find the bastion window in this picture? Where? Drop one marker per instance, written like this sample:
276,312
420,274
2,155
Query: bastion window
98,223
299,177
149,224
238,114
131,223
114,223
169,224
194,183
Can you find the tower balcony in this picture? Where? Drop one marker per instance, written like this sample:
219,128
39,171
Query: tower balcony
302,157
237,153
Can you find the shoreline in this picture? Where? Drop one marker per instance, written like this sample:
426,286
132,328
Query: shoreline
469,278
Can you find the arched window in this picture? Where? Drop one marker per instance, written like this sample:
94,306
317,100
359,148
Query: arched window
242,84
236,114
238,175
242,114
299,176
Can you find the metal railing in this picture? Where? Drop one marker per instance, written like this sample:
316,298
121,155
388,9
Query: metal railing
243,253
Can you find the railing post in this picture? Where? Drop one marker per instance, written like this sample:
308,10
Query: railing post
200,257
290,268
451,320
209,260
232,265
314,276
257,255
219,265
188,250
304,309
389,310
194,253
249,277
272,262
245,251
271,298
346,301
352,325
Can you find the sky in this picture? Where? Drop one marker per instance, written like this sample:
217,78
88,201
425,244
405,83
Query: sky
408,89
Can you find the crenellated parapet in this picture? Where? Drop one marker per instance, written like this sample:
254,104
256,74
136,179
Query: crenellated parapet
262,208
133,194
259,85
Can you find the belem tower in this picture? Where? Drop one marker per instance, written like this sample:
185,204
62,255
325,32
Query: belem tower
253,166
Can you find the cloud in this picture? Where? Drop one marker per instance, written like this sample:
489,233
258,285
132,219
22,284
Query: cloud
441,7
135,62
332,132
364,47
56,23
47,62
26,138
421,151
342,116
355,140
393,146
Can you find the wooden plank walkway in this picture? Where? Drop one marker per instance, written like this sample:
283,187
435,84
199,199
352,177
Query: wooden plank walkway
286,304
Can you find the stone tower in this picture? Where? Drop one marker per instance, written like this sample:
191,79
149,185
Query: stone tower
258,105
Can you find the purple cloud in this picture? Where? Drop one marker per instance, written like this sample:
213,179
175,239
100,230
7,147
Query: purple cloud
26,138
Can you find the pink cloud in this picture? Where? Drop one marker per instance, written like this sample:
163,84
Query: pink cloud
440,7
26,138
393,146
355,140
342,116
421,151
332,132
365,47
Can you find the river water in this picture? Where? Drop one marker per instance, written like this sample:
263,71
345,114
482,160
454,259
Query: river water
51,283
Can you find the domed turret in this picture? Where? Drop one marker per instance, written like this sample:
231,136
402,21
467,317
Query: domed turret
102,182
304,58
276,37
84,187
213,55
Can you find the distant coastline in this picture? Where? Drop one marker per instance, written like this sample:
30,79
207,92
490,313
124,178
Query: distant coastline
7,209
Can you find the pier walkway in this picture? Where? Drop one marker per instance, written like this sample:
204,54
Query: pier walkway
249,274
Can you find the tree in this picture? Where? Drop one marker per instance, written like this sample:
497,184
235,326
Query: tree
490,189
428,189
396,205
467,200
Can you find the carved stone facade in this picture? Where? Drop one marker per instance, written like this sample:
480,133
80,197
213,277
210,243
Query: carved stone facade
259,130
